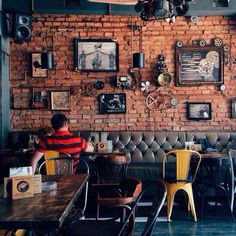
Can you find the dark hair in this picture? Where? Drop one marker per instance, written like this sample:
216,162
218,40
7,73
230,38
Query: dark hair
58,121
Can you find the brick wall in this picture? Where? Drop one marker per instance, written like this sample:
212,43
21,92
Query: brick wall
57,32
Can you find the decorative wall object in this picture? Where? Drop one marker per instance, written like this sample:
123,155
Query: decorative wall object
39,99
199,110
112,103
36,71
234,108
161,99
198,65
96,55
60,100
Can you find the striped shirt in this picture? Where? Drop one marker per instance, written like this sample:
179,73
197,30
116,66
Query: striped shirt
63,141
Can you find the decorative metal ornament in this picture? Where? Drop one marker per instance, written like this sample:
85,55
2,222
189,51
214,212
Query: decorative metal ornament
222,87
161,99
164,79
202,43
226,48
179,44
194,19
218,41
145,86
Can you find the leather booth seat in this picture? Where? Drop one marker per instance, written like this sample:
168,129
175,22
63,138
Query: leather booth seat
144,148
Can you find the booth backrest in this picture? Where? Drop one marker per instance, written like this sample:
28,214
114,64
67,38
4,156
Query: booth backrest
143,146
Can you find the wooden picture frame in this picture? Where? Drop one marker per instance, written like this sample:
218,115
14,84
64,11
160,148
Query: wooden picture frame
234,108
96,55
199,65
112,103
38,72
60,100
199,111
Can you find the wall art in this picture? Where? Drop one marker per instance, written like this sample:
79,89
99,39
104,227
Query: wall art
112,103
96,55
199,111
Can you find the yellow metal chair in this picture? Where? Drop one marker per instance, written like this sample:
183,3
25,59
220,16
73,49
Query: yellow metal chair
178,175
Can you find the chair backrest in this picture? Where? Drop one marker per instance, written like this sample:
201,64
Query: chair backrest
129,190
159,191
58,163
183,160
111,169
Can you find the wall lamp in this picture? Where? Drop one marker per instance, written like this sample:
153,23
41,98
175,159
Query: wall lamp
47,61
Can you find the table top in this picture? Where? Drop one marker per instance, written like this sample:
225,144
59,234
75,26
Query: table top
214,155
46,209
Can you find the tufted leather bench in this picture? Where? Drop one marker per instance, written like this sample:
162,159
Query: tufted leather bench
145,148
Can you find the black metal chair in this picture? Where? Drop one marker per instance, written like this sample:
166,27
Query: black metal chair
110,172
119,228
214,175
61,163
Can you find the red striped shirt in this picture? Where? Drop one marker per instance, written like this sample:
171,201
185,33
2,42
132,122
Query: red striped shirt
63,141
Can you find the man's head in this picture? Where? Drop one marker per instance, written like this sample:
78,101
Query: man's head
59,121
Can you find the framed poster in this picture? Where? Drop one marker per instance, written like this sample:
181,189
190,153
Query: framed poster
96,55
112,103
38,72
199,111
197,65
234,108
60,100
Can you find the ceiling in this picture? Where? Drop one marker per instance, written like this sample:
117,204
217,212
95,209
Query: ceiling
197,7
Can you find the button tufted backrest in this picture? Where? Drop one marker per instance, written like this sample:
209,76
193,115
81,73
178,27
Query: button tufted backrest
151,146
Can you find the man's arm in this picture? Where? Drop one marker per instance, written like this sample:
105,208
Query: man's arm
34,160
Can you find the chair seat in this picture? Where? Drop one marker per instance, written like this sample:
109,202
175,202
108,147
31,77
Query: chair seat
95,227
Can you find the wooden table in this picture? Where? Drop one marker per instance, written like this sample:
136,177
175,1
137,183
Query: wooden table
45,211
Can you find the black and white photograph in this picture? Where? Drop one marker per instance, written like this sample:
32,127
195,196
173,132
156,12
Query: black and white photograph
199,110
199,65
112,103
96,55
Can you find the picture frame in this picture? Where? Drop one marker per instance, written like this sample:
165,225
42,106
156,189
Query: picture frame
199,111
234,108
38,72
199,65
112,103
96,55
60,100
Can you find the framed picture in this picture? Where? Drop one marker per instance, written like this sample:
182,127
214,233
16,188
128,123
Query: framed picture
38,72
199,110
60,100
234,108
96,55
198,65
112,103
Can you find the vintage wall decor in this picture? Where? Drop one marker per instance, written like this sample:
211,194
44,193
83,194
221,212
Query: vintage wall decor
96,55
234,108
199,65
36,71
112,103
199,111
161,99
39,99
60,100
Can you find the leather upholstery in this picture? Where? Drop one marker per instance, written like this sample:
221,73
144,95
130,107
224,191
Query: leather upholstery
146,148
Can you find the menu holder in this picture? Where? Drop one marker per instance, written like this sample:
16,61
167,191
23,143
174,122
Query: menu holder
22,186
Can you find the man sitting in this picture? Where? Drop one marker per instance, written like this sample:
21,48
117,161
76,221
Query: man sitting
62,140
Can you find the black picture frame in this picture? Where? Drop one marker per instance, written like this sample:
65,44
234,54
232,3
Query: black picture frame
112,103
96,55
199,111
197,65
234,108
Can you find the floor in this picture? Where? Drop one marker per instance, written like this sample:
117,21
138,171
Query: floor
215,222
